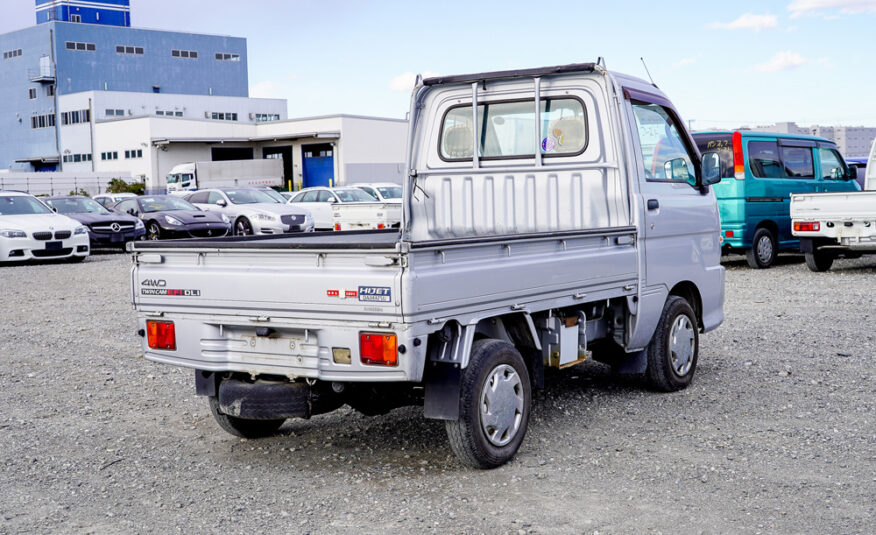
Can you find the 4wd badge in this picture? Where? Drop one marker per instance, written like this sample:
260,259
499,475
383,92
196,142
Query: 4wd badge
375,294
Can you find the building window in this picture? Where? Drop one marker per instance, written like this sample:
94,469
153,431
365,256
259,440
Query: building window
138,153
219,116
42,121
115,113
109,156
75,117
77,158
168,113
124,49
12,54
266,117
50,90
75,18
87,47
224,56
190,54
31,93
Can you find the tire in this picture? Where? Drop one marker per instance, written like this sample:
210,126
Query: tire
153,231
763,249
673,352
242,227
487,436
240,427
819,260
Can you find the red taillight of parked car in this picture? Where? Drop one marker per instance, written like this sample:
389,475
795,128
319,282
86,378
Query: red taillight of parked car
738,159
337,226
807,226
381,226
378,349
161,335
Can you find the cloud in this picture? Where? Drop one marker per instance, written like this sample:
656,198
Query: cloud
748,21
782,61
800,8
686,61
406,81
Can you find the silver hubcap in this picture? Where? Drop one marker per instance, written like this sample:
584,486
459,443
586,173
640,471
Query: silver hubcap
682,339
242,228
764,249
153,232
502,405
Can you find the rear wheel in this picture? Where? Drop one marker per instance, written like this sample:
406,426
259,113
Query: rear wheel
819,260
673,352
495,398
241,427
763,249
242,227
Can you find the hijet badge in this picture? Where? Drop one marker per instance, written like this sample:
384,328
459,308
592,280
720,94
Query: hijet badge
375,294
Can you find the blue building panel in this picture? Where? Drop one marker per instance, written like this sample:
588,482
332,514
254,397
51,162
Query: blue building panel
104,12
155,61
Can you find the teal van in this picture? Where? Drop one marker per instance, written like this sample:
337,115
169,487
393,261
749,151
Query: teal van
759,172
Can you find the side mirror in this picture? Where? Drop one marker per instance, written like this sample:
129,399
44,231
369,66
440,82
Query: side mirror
132,211
853,173
676,169
332,200
711,168
222,203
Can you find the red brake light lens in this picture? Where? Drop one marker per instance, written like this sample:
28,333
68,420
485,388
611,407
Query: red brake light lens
807,226
337,226
381,226
738,160
380,349
161,335
729,233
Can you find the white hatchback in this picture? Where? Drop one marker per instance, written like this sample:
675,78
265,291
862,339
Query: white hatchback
30,230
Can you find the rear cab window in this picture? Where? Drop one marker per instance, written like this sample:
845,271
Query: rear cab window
506,130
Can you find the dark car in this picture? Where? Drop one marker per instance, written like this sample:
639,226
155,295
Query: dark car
168,216
861,165
105,228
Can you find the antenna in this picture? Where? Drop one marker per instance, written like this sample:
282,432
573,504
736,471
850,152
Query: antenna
647,71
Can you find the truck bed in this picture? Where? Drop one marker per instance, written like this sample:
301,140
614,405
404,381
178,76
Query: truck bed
366,239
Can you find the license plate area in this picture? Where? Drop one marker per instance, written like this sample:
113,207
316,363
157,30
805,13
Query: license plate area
54,246
283,343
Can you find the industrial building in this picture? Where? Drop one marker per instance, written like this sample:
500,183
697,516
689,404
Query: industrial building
84,91
852,141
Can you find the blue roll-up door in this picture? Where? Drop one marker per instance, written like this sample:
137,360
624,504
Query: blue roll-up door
319,165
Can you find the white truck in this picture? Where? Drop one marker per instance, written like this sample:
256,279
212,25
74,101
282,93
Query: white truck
365,216
188,177
830,225
536,233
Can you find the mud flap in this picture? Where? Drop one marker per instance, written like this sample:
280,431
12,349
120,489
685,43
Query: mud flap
635,363
442,384
206,383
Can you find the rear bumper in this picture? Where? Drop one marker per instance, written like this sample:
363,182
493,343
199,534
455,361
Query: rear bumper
295,349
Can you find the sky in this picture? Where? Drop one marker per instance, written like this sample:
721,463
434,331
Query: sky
723,64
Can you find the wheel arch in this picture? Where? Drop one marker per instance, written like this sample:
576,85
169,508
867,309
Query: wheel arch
688,291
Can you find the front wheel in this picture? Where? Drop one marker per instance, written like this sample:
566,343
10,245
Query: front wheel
241,427
764,249
243,227
673,352
495,398
153,231
819,260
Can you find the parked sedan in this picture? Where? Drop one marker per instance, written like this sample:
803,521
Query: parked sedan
319,201
382,191
107,200
167,216
253,211
29,229
105,227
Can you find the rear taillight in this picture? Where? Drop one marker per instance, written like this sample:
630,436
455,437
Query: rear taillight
381,226
729,234
378,348
337,226
807,226
738,159
161,335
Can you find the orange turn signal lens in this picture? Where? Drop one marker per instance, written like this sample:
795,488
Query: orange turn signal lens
807,226
161,335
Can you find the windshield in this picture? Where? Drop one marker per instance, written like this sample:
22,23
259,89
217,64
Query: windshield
165,204
353,195
21,205
248,196
390,192
176,179
77,206
275,195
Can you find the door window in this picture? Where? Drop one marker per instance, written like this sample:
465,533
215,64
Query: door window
214,197
124,206
832,166
309,196
764,160
199,198
663,152
797,162
324,196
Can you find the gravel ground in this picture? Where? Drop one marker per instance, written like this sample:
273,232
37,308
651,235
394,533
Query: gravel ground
776,434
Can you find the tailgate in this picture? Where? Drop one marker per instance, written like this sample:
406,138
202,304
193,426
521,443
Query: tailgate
353,285
856,205
356,216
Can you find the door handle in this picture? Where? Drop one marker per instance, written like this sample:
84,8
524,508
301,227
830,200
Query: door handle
653,204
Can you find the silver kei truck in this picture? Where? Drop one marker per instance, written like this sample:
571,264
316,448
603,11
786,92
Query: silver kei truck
550,215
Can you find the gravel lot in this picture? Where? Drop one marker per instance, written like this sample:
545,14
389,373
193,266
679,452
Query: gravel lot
776,435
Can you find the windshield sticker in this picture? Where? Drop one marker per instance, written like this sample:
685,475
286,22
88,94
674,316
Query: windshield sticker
375,294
